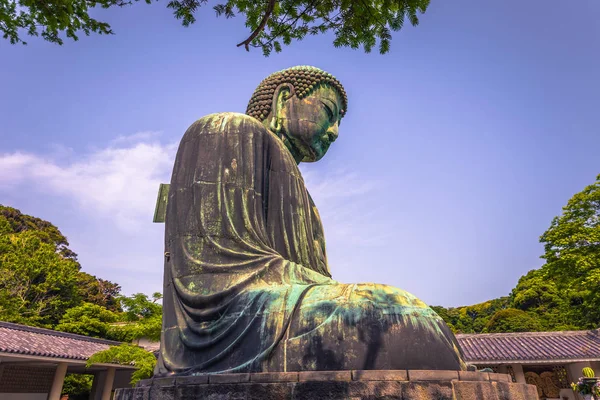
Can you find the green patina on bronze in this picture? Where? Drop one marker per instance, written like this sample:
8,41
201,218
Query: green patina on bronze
247,285
160,211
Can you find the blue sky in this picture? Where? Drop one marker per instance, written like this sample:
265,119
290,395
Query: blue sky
458,149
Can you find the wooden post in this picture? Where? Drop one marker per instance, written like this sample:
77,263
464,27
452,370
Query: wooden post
519,374
108,384
57,384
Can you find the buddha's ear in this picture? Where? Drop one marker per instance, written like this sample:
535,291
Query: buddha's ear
282,94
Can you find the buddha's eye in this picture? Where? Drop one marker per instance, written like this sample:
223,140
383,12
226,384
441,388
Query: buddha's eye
329,111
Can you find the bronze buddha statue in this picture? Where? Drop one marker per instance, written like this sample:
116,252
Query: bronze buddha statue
247,287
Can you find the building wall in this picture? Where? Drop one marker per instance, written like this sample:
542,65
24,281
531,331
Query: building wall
122,379
23,396
23,379
574,370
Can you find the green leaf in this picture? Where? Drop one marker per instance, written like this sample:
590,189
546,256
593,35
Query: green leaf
127,354
352,22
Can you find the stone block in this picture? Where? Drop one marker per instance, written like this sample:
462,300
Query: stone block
500,377
229,378
234,391
266,377
321,376
124,394
383,389
270,391
515,391
332,385
192,380
320,390
161,392
141,393
162,382
375,390
432,375
430,390
473,376
372,375
474,391
144,382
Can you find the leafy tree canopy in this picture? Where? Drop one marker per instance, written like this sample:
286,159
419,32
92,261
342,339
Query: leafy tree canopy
99,291
471,319
539,294
140,306
41,285
513,320
572,251
17,222
78,386
143,317
127,354
37,284
366,23
40,276
88,319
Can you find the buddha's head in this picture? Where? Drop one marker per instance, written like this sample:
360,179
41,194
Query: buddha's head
303,106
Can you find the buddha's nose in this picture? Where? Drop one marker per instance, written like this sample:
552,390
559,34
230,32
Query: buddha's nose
332,132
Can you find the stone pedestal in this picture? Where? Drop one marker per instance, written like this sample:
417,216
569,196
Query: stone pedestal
334,385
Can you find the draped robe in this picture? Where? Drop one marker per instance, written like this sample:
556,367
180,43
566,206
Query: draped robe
246,285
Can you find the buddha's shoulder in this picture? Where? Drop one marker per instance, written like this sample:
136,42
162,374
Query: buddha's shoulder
226,122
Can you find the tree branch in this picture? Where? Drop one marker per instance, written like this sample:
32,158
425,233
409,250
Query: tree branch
286,26
260,27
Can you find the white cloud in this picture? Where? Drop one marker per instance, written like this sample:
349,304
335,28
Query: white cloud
344,201
120,181
136,138
337,184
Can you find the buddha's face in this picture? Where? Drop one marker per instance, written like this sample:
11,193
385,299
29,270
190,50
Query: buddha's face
310,124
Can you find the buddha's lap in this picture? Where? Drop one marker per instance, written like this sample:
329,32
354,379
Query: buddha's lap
347,307
361,294
367,326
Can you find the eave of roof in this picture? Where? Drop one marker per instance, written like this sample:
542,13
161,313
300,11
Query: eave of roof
531,347
33,341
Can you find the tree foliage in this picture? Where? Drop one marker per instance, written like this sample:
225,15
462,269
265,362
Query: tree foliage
41,285
143,317
15,221
40,277
539,294
78,386
572,251
127,354
513,320
471,319
354,23
88,319
99,291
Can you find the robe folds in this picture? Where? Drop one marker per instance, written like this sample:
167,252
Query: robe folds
246,285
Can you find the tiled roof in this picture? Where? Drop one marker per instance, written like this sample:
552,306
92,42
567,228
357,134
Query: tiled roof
27,340
531,346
